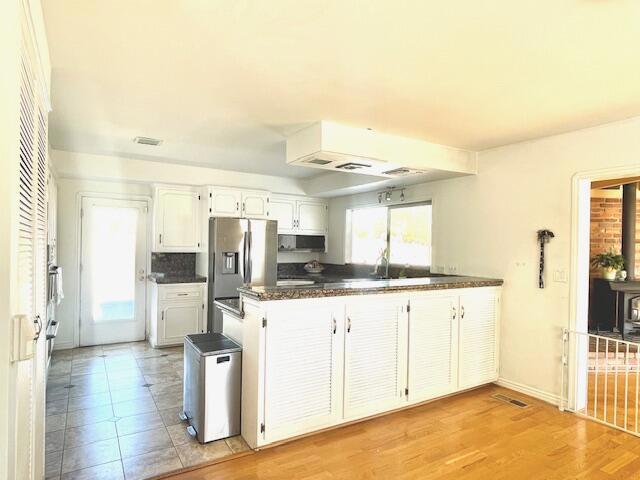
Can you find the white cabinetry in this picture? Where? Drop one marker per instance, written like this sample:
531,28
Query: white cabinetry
299,215
310,364
234,202
433,345
301,381
478,339
176,219
374,358
176,310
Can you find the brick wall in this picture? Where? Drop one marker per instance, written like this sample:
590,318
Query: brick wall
606,226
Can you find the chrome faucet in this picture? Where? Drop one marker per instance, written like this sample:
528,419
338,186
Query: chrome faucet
382,259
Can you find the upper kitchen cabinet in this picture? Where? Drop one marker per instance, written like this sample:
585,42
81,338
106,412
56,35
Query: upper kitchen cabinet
176,219
299,215
235,202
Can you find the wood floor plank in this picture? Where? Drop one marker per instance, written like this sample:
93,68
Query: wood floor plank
469,436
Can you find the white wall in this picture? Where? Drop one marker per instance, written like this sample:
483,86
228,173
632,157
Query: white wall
486,225
69,191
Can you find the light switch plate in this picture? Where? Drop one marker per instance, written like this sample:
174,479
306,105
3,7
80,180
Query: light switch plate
560,276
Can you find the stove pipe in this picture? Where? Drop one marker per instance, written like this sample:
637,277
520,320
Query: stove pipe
629,202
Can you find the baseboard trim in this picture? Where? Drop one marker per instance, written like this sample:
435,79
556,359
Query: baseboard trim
62,346
531,391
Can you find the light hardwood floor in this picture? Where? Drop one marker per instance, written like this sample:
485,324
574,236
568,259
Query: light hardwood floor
469,436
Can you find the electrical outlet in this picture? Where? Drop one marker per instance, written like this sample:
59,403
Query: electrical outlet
560,276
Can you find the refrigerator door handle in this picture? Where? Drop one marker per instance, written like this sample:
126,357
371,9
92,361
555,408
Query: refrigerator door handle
249,272
245,260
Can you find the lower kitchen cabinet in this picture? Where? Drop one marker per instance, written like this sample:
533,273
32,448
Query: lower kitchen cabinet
176,310
310,364
478,339
374,356
301,377
433,346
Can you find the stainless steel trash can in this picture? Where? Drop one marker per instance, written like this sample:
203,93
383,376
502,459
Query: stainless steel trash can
212,386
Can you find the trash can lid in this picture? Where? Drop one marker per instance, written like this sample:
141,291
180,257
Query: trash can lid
212,343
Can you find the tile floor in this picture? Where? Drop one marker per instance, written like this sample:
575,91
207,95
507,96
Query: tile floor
112,413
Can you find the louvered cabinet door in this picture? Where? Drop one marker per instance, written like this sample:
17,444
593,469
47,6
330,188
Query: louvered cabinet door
433,346
300,371
375,345
478,338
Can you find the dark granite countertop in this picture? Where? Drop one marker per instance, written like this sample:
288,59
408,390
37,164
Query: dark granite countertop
365,287
175,278
231,305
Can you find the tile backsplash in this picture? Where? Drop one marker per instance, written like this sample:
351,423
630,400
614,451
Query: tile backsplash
173,263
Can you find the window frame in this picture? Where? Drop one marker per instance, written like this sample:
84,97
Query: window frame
348,236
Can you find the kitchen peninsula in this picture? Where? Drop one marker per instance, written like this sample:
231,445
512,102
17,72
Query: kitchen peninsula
317,356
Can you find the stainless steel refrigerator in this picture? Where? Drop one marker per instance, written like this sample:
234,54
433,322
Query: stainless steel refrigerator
241,252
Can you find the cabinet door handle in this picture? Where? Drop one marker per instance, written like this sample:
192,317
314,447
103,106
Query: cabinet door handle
348,325
335,325
161,239
462,311
237,206
163,315
455,313
243,206
182,294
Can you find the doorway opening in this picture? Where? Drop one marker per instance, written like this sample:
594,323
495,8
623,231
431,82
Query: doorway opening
113,263
601,353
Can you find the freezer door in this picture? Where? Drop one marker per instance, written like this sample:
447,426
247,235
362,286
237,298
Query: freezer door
262,255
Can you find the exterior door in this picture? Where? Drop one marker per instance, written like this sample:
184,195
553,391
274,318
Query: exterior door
375,356
433,340
113,271
478,338
301,374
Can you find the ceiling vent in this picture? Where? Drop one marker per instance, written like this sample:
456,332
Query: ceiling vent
147,141
402,172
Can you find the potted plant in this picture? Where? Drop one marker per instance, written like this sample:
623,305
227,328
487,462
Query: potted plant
610,262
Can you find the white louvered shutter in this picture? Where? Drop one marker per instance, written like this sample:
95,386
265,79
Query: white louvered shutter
433,341
373,371
300,371
478,339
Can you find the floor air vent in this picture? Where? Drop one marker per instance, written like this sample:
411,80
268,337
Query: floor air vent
512,401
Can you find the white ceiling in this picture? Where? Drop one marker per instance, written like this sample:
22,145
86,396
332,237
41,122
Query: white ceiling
223,81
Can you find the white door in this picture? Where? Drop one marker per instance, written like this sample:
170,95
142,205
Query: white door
113,271
255,205
478,338
177,320
178,220
283,211
312,217
301,374
374,357
433,346
225,202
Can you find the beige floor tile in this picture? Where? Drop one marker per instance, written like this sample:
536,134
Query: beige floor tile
133,407
90,455
89,415
151,464
59,381
88,369
165,388
54,441
153,362
59,368
89,401
57,407
60,392
169,400
144,442
55,422
136,393
93,432
53,464
179,434
139,423
106,471
171,416
155,379
196,454
126,383
237,444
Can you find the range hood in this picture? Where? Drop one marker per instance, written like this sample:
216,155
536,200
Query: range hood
331,146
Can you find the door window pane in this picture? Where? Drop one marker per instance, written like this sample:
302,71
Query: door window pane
368,234
113,262
410,235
